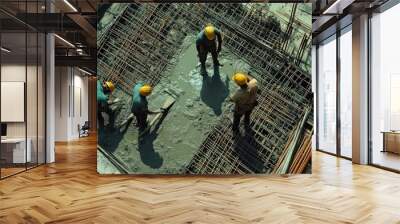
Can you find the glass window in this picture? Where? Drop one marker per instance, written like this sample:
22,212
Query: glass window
31,97
14,153
346,93
327,96
22,92
385,89
314,89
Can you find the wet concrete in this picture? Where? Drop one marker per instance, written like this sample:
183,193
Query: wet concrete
104,166
200,103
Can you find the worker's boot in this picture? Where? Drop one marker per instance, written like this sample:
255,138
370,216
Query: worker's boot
203,71
235,132
216,70
216,63
235,124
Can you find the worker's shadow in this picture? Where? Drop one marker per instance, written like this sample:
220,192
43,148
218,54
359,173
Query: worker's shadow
110,137
214,91
249,151
146,149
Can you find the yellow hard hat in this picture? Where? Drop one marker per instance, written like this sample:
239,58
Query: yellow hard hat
240,78
209,31
145,90
110,85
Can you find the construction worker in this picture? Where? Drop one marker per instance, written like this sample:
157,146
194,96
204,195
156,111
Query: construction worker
245,99
139,104
104,89
206,42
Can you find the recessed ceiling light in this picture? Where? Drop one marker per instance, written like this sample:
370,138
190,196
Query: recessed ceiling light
70,5
331,7
5,50
337,7
84,71
64,40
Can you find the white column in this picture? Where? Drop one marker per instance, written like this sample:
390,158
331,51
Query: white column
62,103
360,90
50,93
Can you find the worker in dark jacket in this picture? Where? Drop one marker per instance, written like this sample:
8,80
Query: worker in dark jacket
140,105
207,42
245,99
104,89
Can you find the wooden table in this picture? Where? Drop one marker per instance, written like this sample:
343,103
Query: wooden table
391,141
13,150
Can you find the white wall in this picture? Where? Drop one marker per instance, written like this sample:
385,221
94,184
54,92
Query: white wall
70,83
62,81
34,125
81,102
12,73
16,73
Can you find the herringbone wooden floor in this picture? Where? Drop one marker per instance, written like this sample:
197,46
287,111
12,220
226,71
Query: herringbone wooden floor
70,191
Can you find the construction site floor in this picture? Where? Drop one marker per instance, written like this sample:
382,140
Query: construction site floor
200,103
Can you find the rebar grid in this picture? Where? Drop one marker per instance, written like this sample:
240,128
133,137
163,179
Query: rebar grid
102,31
284,91
143,32
242,38
140,45
273,120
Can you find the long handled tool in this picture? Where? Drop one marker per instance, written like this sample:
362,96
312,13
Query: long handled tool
129,118
164,109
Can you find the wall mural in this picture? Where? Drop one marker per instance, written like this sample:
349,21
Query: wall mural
204,88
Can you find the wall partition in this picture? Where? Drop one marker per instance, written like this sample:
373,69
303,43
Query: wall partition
22,78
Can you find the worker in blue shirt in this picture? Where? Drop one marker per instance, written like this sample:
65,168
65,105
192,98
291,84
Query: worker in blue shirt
104,89
139,104
207,42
